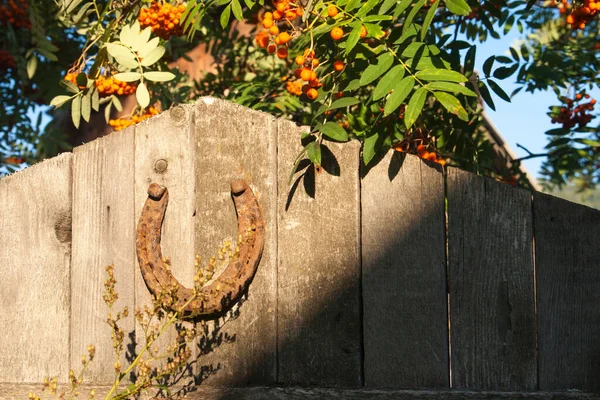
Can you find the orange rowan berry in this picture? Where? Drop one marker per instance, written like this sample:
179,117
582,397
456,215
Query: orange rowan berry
338,65
315,63
267,23
313,75
274,30
290,14
305,75
284,37
299,60
338,95
363,31
299,11
298,73
282,52
268,15
262,39
271,48
281,7
332,11
336,33
312,93
277,15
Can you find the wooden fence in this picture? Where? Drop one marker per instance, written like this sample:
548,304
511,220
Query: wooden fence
370,283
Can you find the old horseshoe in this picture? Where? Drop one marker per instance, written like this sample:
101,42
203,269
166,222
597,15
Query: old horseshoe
216,298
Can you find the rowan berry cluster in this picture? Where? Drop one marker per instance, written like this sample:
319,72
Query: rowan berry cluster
7,60
14,160
422,152
14,12
570,115
122,123
108,86
163,18
272,38
306,76
583,14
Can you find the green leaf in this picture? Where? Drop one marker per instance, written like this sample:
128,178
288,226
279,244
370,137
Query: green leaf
354,36
159,76
486,96
86,106
76,111
313,152
368,6
59,101
153,56
81,79
351,5
514,54
95,99
370,147
411,15
225,15
458,7
400,7
487,65
31,66
237,10
415,106
107,112
428,18
377,18
470,59
128,76
401,91
119,51
387,4
148,47
70,86
412,49
117,103
441,75
334,132
505,72
388,81
557,131
344,102
498,90
374,71
142,95
452,104
451,87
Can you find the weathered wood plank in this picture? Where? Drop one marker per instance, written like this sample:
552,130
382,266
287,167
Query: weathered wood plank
227,149
567,259
404,274
490,275
35,258
165,154
104,234
319,326
19,392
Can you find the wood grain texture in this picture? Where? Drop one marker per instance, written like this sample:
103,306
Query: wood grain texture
567,258
319,326
165,154
104,234
35,253
244,147
490,275
404,274
19,392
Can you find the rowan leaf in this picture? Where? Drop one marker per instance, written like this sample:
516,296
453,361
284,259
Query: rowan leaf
388,81
441,75
334,132
142,96
458,7
159,76
415,107
452,104
401,91
374,71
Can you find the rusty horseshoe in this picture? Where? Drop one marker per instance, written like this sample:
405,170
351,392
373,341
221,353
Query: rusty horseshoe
217,297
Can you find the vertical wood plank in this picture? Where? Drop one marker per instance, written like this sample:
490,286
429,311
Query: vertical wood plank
227,149
404,274
164,154
490,275
567,259
319,326
35,252
104,234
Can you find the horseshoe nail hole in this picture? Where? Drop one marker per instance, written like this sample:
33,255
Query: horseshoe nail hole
160,166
